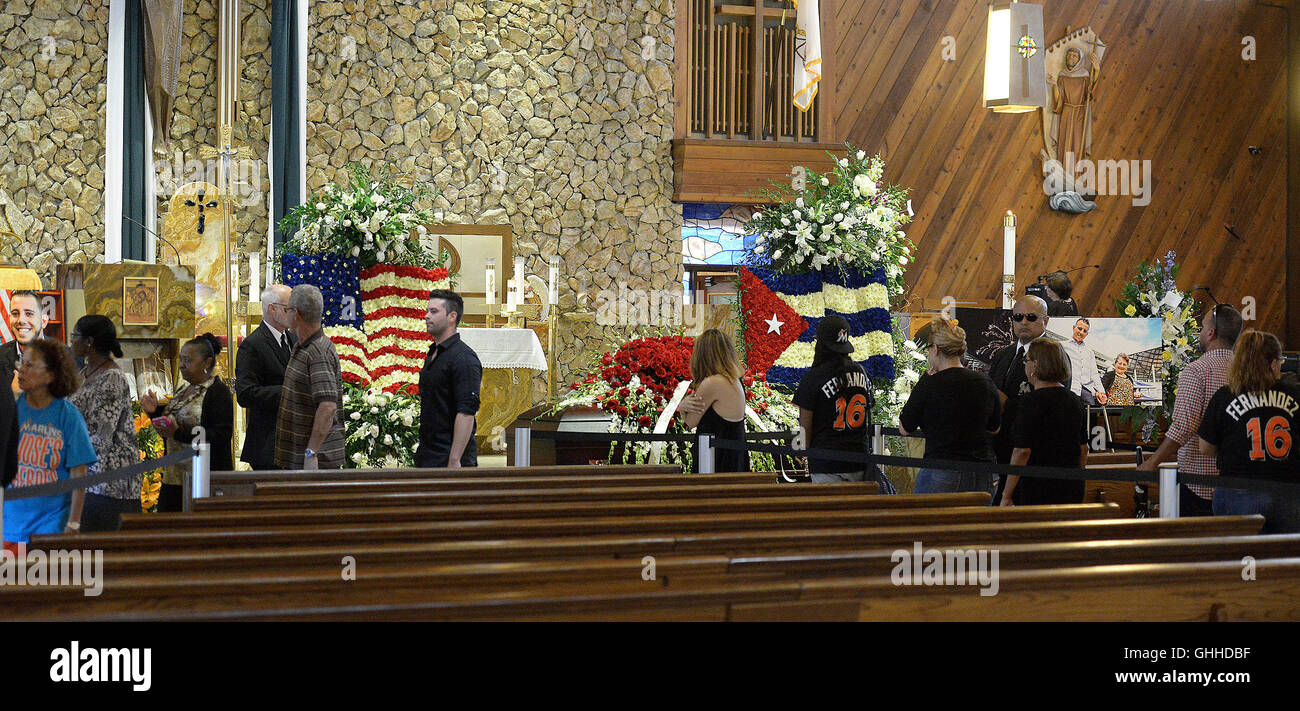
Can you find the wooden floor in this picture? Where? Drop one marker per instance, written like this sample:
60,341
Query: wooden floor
647,543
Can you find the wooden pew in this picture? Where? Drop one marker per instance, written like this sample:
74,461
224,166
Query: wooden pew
328,554
449,581
363,498
1183,591
239,483
391,511
494,527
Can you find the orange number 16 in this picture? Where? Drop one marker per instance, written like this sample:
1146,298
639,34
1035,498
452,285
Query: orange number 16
1275,438
855,412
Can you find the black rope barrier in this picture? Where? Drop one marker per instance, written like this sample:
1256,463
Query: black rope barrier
1079,474
85,482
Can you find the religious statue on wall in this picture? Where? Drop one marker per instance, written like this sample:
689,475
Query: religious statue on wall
1073,69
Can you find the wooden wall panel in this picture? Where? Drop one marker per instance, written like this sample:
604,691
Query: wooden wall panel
1174,90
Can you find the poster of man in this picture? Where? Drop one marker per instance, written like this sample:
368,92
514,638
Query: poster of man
140,301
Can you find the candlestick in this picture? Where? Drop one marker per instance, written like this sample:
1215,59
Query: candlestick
491,279
519,281
553,293
1008,259
254,277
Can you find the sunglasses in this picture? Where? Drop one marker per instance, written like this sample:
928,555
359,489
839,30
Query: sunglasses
1024,317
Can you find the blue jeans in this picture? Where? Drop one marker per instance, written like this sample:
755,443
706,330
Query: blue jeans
940,481
1282,515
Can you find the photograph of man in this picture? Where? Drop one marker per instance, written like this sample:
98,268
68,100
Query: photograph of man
27,320
1085,381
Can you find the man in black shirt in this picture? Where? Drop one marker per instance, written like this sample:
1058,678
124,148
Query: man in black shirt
449,388
835,400
1007,371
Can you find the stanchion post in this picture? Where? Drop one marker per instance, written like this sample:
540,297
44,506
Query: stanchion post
203,471
1169,490
523,446
706,454
878,440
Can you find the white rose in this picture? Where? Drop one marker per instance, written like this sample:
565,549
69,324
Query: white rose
320,206
862,154
356,415
377,198
374,411
844,162
758,249
757,216
797,215
356,251
798,202
776,254
839,217
826,181
379,256
902,261
864,186
358,457
407,420
785,221
388,439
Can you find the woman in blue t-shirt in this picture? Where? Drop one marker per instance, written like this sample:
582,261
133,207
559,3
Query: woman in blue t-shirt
53,444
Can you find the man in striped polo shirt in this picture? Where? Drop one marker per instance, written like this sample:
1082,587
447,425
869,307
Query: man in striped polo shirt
1196,385
309,429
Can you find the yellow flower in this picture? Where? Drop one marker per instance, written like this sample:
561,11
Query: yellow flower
1129,310
1166,355
1182,341
149,490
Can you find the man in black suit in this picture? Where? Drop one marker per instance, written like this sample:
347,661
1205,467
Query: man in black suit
27,320
1007,370
259,373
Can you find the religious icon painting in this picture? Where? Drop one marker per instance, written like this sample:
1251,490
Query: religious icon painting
140,301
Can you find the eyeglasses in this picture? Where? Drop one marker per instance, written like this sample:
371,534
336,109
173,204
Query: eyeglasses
1024,317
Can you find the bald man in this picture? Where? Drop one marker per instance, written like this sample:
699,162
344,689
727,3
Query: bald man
1028,321
259,373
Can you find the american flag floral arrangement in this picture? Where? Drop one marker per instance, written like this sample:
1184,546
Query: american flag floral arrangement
833,244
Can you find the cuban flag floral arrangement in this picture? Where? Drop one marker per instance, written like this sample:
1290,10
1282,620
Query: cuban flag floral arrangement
359,243
835,245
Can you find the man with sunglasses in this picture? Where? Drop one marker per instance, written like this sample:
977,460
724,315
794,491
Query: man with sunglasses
1196,385
259,375
1028,321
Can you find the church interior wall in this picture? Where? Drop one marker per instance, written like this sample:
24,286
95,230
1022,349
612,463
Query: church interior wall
52,93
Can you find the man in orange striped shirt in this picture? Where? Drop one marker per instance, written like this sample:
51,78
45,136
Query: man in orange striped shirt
1196,385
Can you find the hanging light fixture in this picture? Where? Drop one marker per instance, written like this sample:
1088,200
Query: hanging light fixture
1015,73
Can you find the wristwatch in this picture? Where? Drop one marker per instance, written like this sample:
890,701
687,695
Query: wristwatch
309,453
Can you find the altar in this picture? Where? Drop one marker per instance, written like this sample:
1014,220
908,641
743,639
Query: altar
510,358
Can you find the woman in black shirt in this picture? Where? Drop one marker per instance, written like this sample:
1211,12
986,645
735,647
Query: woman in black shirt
835,400
956,410
1249,427
1050,430
718,406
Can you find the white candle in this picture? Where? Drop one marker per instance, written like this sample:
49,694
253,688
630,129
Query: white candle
491,279
254,277
1008,258
519,280
511,296
553,295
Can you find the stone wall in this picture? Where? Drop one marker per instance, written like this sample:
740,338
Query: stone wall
542,114
52,93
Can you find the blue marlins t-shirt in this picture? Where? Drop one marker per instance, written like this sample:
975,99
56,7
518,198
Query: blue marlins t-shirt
51,441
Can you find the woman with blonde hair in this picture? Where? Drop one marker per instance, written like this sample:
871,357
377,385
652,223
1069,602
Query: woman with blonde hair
956,410
718,406
1249,427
